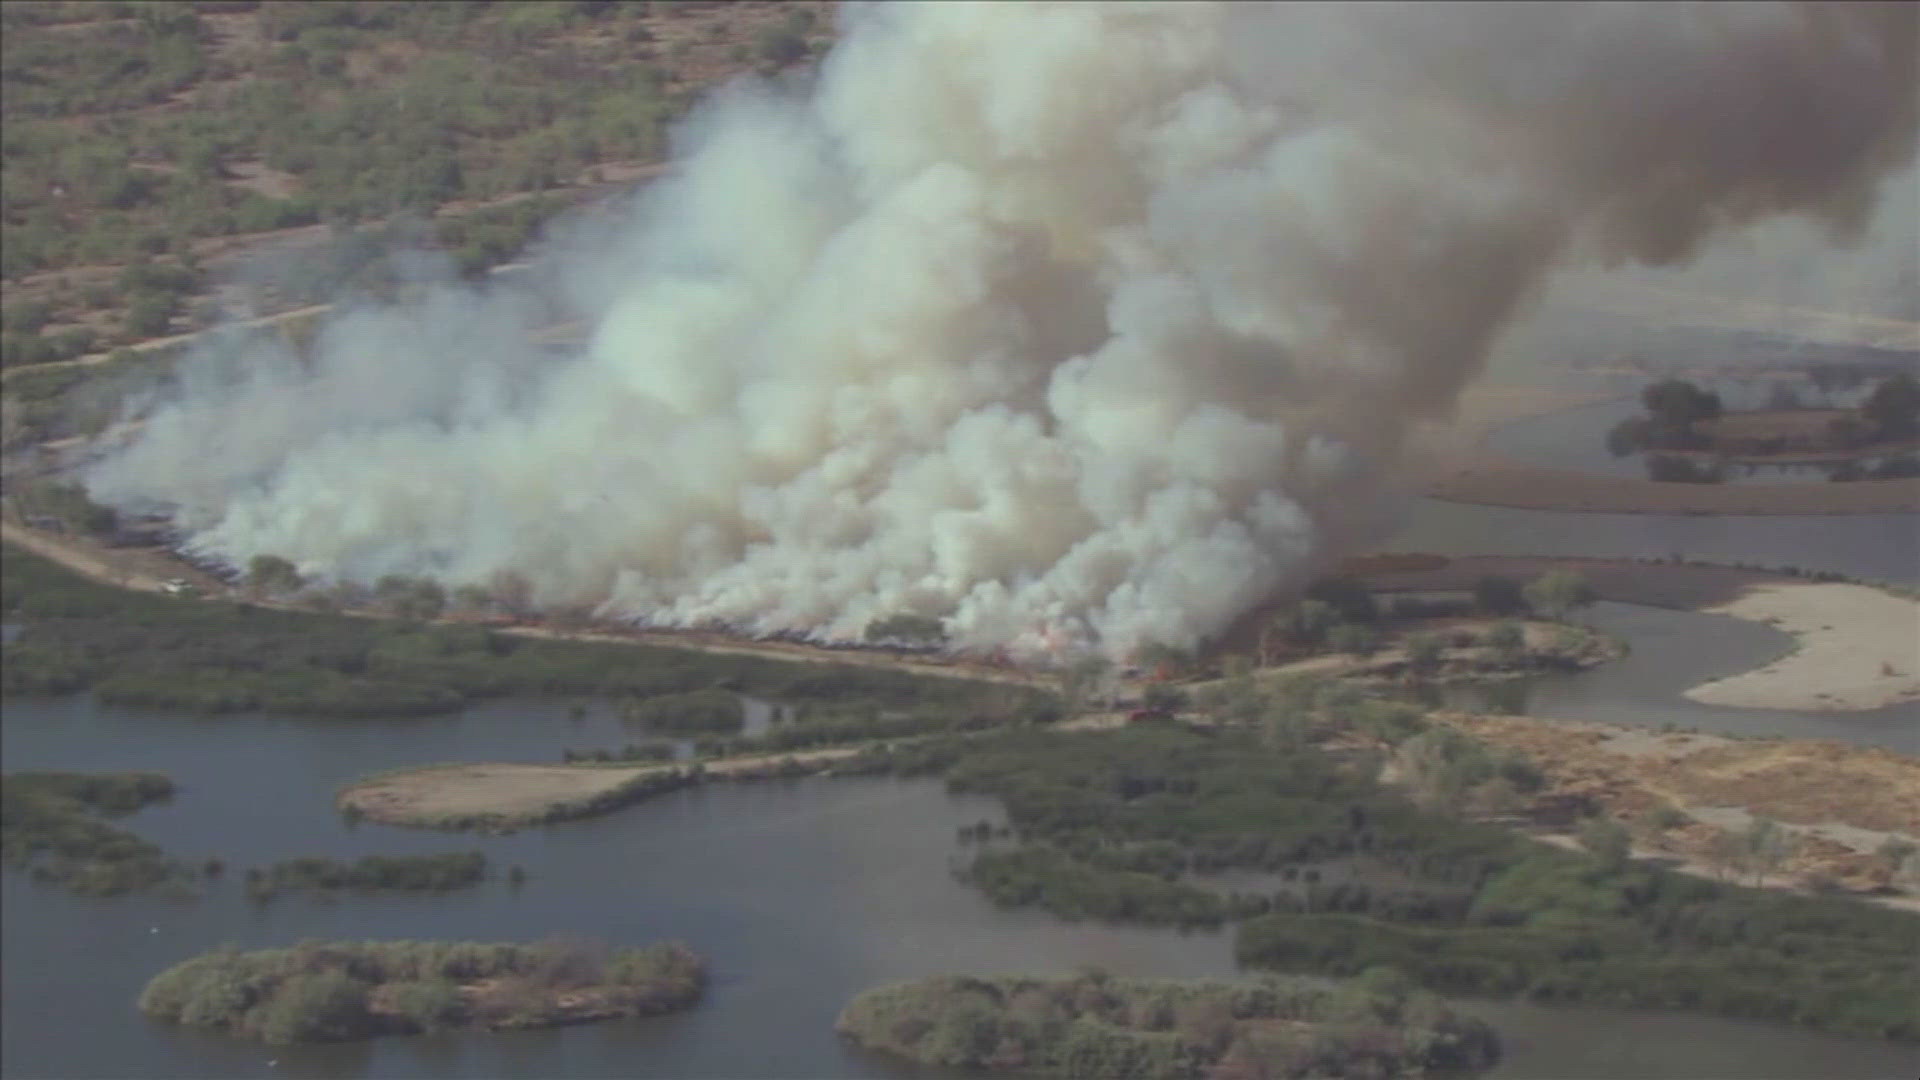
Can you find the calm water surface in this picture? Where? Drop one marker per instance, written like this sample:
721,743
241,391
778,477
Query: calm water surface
1670,652
1575,439
801,893
1871,547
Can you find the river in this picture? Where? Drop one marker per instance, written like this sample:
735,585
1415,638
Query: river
800,892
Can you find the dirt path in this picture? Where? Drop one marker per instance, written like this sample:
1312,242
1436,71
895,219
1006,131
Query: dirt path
781,650
153,344
97,565
144,569
231,250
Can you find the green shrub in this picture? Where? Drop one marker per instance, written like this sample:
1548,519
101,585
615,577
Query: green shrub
50,824
691,713
318,992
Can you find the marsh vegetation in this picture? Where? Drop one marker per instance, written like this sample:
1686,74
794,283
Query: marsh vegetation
1097,1027
1127,825
54,825
329,992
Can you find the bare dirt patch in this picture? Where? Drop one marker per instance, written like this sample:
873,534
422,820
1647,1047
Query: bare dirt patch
1859,648
257,176
1837,803
509,794
459,791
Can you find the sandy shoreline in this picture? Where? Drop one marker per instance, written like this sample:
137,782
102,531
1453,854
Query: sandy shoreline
1859,648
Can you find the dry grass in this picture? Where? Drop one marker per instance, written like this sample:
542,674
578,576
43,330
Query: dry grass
459,791
1837,801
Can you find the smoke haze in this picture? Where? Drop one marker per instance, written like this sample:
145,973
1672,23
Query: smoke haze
1062,322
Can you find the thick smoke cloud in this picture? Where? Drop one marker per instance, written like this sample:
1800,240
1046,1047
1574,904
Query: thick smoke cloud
1063,322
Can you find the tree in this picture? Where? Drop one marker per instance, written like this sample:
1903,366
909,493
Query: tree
1783,396
1498,595
1350,598
1163,698
1894,406
1306,624
513,592
779,46
1166,661
1423,651
474,599
1354,639
411,598
1676,404
1607,840
1080,683
271,575
1764,844
1848,432
1558,592
920,631
324,1005
149,316
1508,640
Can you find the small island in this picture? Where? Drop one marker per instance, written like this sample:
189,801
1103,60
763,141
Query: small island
1097,1026
52,824
368,874
504,797
333,992
1689,437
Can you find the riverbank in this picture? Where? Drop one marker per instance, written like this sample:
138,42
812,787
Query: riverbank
1689,800
1855,643
1858,648
148,569
504,796
1460,467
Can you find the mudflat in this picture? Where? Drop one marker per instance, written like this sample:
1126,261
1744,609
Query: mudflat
1859,648
451,791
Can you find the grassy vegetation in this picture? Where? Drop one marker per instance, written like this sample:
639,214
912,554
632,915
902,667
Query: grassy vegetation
1342,615
44,404
370,873
632,752
319,992
217,656
1103,1028
133,131
696,712
50,824
1117,825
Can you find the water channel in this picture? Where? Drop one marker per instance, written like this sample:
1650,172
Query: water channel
800,892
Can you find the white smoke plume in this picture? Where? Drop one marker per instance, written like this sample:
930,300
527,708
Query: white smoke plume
1063,322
